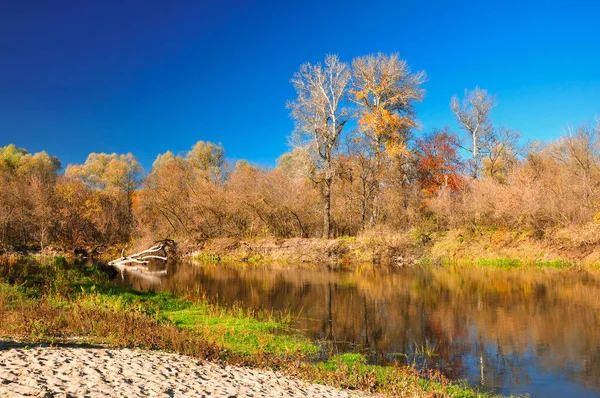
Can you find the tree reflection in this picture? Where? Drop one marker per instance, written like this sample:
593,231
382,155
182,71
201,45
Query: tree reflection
500,328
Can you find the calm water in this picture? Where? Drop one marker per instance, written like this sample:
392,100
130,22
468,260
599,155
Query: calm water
515,331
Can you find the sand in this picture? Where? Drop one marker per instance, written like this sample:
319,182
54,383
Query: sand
83,371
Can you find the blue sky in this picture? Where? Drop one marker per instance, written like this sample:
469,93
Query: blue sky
149,76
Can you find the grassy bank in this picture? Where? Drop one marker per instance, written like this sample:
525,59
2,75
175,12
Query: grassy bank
477,246
61,290
63,302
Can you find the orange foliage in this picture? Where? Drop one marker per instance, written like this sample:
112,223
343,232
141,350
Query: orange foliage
439,165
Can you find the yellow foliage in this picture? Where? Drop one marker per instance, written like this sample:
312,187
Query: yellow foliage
92,207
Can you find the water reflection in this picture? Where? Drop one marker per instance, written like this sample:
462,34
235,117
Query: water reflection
516,331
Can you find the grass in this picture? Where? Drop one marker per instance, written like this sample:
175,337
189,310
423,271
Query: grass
254,259
348,239
62,301
506,263
63,288
353,371
207,257
504,248
233,328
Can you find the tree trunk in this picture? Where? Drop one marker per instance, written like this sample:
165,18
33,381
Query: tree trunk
475,165
376,181
363,205
327,208
373,219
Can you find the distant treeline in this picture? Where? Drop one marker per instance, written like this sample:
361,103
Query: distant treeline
336,181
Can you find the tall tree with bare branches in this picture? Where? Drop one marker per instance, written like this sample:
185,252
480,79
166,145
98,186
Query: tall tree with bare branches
473,115
320,118
500,152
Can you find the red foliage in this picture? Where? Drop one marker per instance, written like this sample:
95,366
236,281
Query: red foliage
439,163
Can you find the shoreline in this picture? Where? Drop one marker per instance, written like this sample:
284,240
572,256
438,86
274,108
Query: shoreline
84,370
482,246
487,248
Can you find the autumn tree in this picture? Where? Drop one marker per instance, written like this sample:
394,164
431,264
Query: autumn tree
13,197
500,151
77,212
209,159
39,171
320,117
578,154
207,168
184,195
360,172
439,164
296,164
385,91
108,172
473,116
10,157
272,201
164,209
26,200
113,179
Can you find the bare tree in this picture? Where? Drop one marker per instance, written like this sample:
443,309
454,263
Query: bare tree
578,154
364,168
473,115
500,151
320,119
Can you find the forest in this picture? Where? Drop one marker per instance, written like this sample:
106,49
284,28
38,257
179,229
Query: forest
358,161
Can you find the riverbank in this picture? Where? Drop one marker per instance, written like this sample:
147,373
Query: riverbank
476,246
495,247
62,302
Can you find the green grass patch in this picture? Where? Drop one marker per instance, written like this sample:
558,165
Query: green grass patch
506,263
560,264
207,257
241,331
64,286
348,239
213,258
348,359
353,370
499,262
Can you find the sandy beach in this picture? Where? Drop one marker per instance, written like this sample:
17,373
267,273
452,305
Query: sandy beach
76,371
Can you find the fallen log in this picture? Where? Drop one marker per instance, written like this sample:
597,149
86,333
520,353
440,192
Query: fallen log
141,259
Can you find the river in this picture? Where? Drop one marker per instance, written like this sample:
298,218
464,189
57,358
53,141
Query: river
515,331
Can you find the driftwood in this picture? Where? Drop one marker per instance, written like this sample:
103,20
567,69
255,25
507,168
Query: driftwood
137,262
